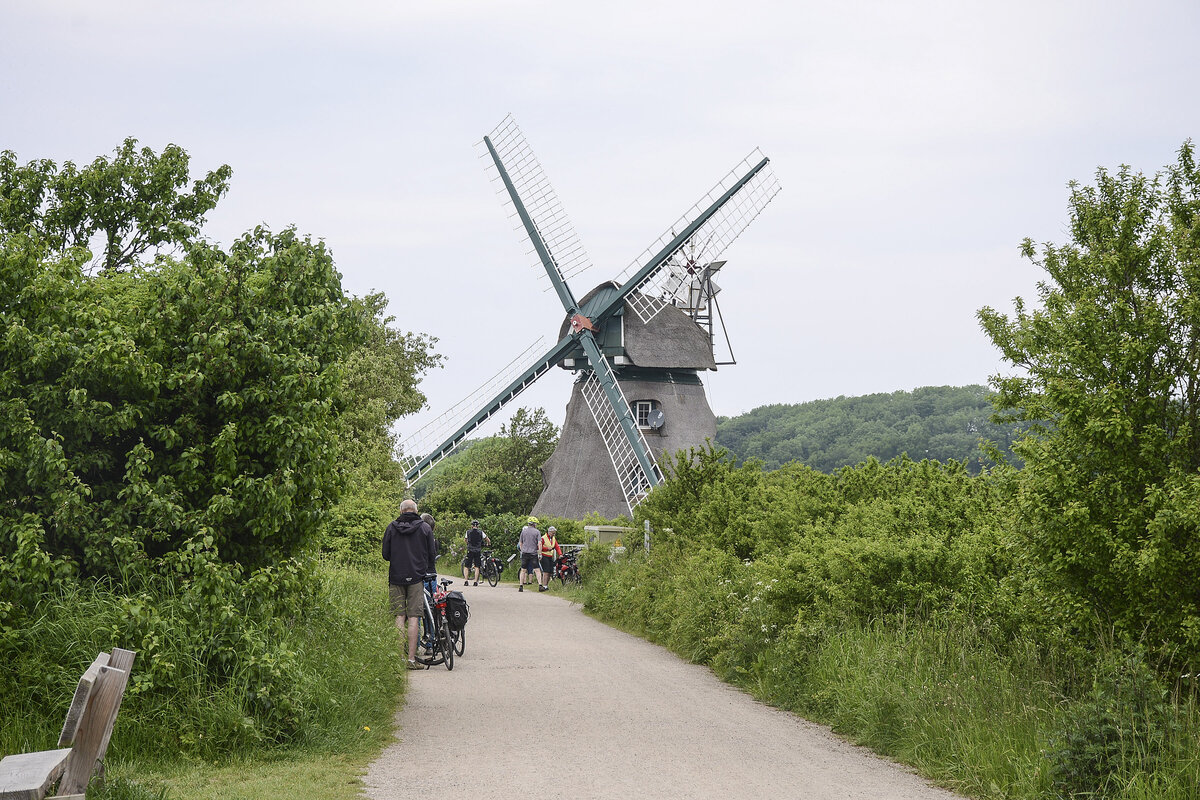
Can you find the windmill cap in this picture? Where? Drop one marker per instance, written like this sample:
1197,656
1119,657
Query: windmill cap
551,528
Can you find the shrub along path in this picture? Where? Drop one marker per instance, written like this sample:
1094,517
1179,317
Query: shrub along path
548,700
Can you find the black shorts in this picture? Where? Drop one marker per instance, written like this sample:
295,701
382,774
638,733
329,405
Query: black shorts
473,559
529,561
547,563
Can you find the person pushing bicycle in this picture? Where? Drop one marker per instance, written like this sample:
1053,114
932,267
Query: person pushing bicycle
475,541
411,553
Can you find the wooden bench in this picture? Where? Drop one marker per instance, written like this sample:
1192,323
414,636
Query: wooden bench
84,738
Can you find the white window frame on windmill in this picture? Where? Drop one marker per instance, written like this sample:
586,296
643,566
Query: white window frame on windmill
641,414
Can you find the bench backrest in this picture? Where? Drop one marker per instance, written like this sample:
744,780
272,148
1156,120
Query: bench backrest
90,718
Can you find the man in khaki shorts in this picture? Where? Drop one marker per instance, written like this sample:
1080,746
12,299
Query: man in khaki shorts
411,553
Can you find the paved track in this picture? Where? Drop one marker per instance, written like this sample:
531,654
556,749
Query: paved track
550,703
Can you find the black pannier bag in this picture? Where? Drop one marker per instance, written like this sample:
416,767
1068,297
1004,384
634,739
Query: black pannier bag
457,610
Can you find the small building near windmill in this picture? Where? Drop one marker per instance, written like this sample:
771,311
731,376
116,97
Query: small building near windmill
657,365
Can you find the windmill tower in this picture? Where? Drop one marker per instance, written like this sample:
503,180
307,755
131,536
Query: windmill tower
637,343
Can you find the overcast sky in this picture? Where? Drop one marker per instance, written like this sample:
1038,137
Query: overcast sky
917,144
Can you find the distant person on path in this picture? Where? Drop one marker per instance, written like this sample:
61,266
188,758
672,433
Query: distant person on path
549,550
475,541
411,553
528,545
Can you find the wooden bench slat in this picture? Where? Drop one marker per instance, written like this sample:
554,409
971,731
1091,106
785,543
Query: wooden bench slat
27,776
95,728
79,702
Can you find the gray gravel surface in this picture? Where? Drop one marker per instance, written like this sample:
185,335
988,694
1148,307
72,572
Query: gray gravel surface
547,702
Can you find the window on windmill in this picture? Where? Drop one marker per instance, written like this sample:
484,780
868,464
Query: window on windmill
643,411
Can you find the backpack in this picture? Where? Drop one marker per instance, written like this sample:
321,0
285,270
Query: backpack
457,610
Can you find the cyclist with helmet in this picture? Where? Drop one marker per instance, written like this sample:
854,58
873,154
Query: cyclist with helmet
528,545
475,541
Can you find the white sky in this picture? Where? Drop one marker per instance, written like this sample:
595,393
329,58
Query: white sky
917,144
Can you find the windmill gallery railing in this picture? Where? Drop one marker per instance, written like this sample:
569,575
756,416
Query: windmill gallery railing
652,283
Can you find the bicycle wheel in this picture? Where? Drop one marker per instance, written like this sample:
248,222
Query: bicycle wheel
445,643
427,649
493,574
460,640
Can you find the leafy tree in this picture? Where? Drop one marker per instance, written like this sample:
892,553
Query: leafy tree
1110,376
382,376
205,403
133,202
496,475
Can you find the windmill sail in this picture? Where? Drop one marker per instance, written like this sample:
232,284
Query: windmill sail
507,145
416,467
699,236
429,437
635,483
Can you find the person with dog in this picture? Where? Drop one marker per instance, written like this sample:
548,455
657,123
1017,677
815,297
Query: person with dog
475,541
411,553
549,550
527,543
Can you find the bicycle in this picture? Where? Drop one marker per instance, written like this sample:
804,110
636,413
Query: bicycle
492,567
436,637
566,568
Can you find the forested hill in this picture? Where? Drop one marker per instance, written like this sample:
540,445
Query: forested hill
938,422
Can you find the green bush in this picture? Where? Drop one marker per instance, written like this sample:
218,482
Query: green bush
223,666
1124,725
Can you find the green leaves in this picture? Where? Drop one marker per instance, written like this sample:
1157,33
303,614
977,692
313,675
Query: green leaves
497,475
129,204
1110,363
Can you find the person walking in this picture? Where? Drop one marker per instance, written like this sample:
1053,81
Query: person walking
549,550
527,543
411,553
475,541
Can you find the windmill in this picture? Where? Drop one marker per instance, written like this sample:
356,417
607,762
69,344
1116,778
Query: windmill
646,334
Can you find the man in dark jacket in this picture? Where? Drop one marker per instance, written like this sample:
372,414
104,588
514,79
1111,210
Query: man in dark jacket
411,553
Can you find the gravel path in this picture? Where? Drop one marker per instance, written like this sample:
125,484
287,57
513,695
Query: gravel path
547,700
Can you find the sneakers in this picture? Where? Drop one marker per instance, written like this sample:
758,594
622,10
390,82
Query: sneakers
521,588
543,588
414,665
476,583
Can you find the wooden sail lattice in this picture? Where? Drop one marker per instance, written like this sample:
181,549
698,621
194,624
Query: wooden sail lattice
540,201
707,243
635,484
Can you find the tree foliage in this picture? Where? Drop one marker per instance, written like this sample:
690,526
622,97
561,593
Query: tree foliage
178,428
1109,374
939,422
135,201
